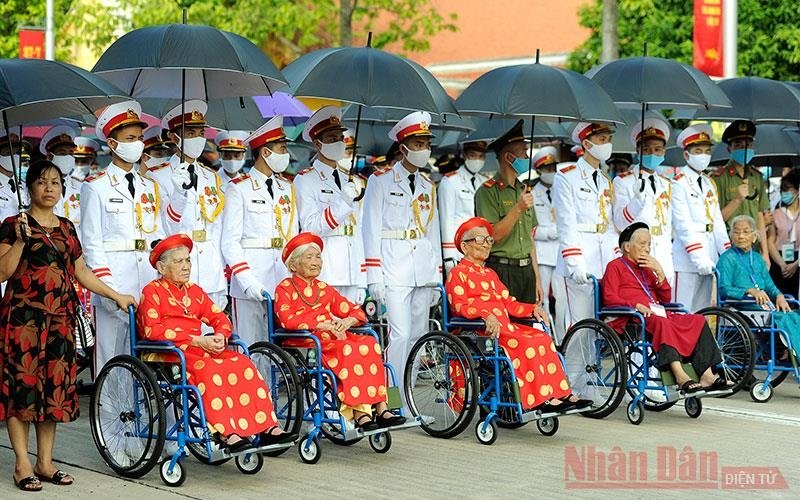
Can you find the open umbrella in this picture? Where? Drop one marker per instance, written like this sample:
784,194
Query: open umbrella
390,116
758,100
232,113
293,111
35,90
537,91
774,143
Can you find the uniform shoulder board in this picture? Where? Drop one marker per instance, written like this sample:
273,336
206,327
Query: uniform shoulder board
425,176
158,167
568,168
489,183
305,171
679,176
382,171
239,179
625,174
287,177
95,176
721,170
451,174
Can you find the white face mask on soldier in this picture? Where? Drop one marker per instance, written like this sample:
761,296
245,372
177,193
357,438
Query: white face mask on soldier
5,162
474,166
129,152
333,151
65,163
278,162
232,166
418,158
600,151
698,162
193,147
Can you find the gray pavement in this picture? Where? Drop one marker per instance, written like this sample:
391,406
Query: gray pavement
736,432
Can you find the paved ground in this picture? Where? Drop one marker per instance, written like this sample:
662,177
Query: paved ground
739,434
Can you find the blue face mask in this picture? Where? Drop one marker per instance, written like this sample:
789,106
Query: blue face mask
667,172
788,197
651,162
521,165
739,156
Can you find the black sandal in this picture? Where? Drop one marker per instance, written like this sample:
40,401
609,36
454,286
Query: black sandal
579,403
268,438
391,420
26,482
690,387
239,446
720,384
59,478
369,425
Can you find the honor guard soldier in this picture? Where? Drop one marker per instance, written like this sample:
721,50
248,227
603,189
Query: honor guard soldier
326,202
157,151
583,200
120,218
9,204
508,205
194,199
545,233
644,195
57,145
401,238
232,148
85,154
740,186
699,231
260,217
457,197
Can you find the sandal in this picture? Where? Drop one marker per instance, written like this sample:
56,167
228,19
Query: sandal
549,407
239,446
391,420
369,425
690,387
267,438
720,384
577,403
59,478
30,483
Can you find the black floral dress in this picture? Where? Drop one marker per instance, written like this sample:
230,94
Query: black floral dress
37,344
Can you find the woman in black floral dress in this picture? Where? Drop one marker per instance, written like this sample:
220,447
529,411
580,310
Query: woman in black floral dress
37,311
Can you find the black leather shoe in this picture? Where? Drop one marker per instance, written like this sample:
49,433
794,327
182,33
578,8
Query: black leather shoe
389,419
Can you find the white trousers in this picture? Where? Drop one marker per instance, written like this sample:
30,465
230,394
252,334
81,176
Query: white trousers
349,292
550,280
693,290
250,320
112,331
408,310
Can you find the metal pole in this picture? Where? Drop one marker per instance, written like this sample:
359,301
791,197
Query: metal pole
730,16
49,43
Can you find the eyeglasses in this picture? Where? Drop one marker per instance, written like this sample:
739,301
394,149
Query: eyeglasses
480,240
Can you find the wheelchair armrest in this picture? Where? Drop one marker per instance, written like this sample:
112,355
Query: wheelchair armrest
293,333
617,310
160,345
459,322
674,306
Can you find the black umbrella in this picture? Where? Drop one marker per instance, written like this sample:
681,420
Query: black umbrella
489,129
537,91
232,113
35,90
390,116
758,100
773,143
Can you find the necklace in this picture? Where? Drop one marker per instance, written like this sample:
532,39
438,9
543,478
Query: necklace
301,294
184,303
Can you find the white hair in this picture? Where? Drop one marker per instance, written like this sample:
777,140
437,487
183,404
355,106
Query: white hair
625,244
298,252
739,218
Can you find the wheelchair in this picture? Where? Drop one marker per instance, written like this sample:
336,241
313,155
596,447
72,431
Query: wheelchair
134,396
455,372
320,391
766,334
603,365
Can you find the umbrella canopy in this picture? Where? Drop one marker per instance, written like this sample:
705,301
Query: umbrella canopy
152,62
34,90
233,113
537,90
756,99
489,129
293,111
657,82
772,142
390,116
369,77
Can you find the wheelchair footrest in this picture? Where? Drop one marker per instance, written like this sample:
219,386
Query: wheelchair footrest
352,434
224,454
530,416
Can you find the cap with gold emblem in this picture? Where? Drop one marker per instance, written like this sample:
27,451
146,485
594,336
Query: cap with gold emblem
416,124
60,135
85,146
514,134
651,128
272,131
118,115
545,156
326,118
480,146
740,129
153,138
585,129
194,115
695,135
231,140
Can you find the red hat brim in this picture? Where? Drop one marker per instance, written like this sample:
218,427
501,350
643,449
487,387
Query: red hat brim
174,241
470,224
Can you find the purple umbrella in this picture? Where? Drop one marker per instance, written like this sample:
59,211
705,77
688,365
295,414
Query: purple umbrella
294,112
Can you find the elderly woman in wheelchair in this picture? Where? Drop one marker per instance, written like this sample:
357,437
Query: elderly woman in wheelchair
743,276
234,395
302,302
636,280
474,291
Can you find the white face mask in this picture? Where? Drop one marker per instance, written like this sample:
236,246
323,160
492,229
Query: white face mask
80,173
547,177
418,158
154,162
474,166
232,166
5,162
698,162
333,151
129,152
601,152
345,163
278,162
65,163
194,147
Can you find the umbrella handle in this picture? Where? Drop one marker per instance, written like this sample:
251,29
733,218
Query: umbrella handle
360,195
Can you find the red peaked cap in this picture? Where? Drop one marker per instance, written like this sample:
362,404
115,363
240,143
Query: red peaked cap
471,224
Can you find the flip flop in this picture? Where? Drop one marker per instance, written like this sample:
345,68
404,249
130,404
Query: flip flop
720,384
690,387
25,483
59,478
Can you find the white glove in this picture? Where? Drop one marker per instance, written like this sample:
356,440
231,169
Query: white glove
350,192
581,277
435,296
705,268
181,177
552,233
255,292
377,291
361,296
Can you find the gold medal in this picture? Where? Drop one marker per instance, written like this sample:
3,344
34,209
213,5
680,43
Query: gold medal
199,235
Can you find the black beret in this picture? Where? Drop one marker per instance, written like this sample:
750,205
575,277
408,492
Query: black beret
627,233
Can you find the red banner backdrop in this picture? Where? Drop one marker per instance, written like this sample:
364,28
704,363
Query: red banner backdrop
708,37
31,44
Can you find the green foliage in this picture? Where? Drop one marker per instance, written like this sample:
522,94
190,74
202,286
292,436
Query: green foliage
769,34
15,14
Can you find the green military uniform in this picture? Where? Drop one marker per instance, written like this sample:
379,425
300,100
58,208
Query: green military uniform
511,257
728,182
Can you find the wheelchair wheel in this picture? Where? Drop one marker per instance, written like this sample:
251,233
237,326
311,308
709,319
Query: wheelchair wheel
380,442
736,344
547,426
507,417
635,413
693,407
175,478
486,435
309,454
649,401
331,404
440,384
127,416
249,463
595,365
279,371
761,393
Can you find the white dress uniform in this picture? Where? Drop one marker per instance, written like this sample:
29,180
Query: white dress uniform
456,194
70,204
9,205
325,212
402,246
699,230
546,236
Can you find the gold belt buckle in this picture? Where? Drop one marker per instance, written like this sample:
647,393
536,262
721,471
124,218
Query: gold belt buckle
348,230
277,242
709,228
199,235
601,228
655,230
411,234
140,245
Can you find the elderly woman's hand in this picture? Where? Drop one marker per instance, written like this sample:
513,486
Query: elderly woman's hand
646,312
493,326
340,327
782,304
760,296
212,344
539,314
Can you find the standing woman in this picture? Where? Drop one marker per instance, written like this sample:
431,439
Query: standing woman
40,255
784,235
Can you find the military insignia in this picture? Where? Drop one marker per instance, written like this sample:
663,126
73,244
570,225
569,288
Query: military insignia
625,174
335,120
240,178
489,183
144,198
568,168
423,126
197,116
207,190
382,171
679,176
131,115
213,190
743,127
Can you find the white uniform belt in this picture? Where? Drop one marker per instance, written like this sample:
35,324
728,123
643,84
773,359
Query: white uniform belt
592,228
344,230
402,234
126,246
701,228
262,242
